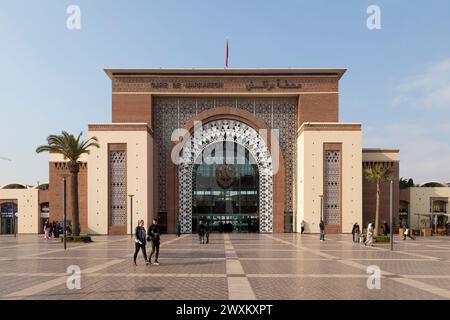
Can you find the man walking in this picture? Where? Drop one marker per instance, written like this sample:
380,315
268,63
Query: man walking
140,241
178,229
322,230
201,232
154,236
369,240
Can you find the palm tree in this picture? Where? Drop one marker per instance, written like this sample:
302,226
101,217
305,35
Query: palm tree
71,148
378,173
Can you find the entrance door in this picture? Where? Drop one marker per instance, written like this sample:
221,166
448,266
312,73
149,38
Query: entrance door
9,219
225,189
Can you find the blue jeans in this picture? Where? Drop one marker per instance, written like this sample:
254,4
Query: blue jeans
201,237
322,235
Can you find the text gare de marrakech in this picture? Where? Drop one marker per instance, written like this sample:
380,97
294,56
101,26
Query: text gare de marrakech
264,85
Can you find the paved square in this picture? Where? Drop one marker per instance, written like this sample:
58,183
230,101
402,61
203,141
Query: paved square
232,266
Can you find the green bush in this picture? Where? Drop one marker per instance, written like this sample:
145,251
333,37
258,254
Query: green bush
381,238
85,239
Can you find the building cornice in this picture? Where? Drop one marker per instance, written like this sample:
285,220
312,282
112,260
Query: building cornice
335,72
328,126
120,127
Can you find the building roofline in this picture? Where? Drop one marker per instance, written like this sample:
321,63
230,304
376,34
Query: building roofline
329,126
330,72
380,150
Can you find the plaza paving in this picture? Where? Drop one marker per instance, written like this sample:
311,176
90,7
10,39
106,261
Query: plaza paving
232,266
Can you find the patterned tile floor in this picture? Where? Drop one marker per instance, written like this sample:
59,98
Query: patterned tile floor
232,266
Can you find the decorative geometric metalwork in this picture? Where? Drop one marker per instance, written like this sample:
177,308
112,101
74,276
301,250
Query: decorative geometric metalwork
237,132
332,211
279,113
117,187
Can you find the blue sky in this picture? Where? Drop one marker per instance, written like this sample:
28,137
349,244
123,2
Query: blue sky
397,85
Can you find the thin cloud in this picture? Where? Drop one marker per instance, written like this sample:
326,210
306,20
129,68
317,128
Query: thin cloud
428,89
424,155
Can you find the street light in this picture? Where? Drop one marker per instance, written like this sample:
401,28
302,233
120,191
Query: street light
65,211
391,233
131,214
321,207
13,222
431,214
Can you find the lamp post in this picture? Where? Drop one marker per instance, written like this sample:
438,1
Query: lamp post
131,214
65,211
13,218
321,206
391,230
431,214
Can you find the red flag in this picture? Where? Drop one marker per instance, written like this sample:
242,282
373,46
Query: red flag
226,56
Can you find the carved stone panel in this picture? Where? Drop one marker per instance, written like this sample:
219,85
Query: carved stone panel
332,193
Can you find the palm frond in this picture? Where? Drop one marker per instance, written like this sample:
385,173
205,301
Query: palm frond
378,172
67,145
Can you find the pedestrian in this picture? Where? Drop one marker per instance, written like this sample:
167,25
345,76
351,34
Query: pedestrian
302,227
207,232
201,232
47,230
50,232
386,230
322,230
369,240
69,230
140,241
353,231
56,229
178,229
154,236
408,234
357,233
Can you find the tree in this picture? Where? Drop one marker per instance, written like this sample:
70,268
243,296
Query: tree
71,148
377,173
404,183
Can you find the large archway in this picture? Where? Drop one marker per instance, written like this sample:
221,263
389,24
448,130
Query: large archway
226,191
235,132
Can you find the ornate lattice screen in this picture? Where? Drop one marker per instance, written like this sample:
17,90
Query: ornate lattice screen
332,186
117,187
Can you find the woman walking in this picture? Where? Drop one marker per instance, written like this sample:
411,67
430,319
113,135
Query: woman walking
140,241
47,230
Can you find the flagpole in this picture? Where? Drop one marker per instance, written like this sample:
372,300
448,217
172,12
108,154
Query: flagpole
226,55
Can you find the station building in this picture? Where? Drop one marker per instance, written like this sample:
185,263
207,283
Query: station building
281,155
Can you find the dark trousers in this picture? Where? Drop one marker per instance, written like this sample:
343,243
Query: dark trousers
302,230
155,248
322,235
139,247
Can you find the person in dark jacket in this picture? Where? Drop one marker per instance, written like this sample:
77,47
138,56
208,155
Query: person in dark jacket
154,236
207,232
201,232
178,229
356,232
140,241
386,230
55,229
322,230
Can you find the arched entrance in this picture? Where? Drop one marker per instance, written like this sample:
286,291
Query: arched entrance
226,135
226,190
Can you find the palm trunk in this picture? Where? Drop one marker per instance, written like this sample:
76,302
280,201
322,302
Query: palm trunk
74,169
377,210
